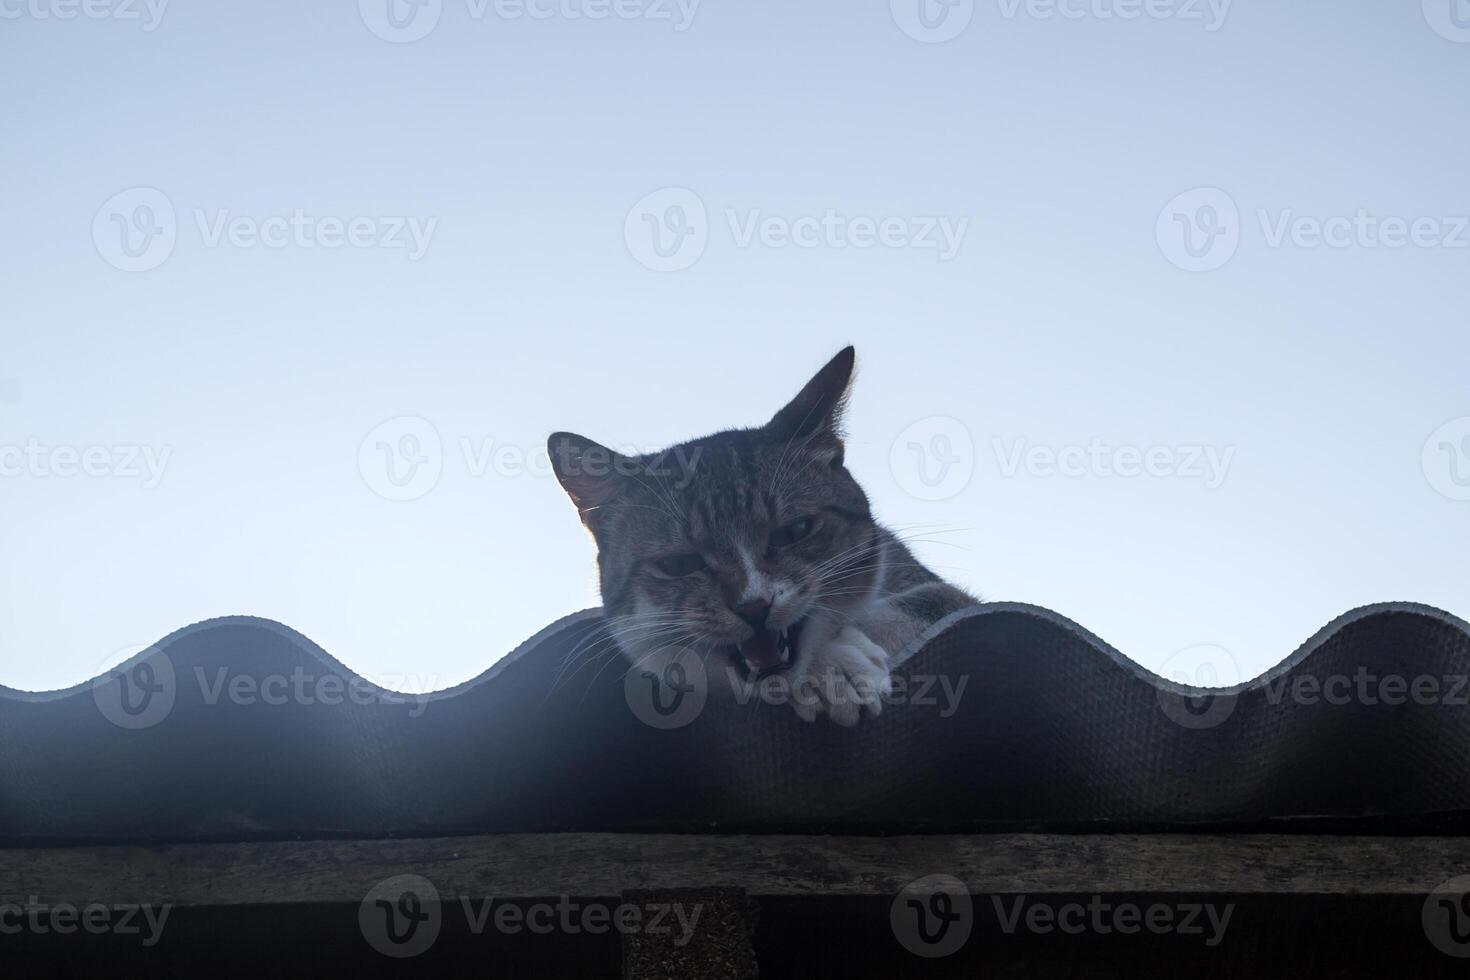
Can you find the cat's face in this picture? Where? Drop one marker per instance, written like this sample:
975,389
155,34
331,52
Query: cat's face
726,544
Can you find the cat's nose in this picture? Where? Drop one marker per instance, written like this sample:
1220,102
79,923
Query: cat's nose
754,613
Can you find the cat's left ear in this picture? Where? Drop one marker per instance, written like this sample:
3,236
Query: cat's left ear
591,474
819,406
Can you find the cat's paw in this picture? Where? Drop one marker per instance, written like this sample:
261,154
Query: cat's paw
843,678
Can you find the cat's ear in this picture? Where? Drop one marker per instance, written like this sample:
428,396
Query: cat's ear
591,474
820,405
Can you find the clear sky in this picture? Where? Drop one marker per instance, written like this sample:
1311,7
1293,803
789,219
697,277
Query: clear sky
251,255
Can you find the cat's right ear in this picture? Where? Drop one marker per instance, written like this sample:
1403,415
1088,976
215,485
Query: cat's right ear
588,472
819,406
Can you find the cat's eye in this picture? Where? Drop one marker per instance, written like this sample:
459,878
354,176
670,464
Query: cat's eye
677,566
791,533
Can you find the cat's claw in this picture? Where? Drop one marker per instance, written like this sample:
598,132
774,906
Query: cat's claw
844,678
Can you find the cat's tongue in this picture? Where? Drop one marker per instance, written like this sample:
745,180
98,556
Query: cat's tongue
761,650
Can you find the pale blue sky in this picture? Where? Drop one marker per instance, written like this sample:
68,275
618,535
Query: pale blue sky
520,148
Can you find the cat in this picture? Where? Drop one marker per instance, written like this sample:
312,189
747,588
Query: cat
756,551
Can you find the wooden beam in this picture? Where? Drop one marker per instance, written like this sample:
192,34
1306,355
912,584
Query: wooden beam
607,865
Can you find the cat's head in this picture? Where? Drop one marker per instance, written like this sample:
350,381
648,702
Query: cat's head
726,544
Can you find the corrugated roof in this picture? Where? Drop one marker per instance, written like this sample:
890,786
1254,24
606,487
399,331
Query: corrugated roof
1009,717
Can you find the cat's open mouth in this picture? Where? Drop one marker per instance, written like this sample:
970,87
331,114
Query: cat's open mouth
770,651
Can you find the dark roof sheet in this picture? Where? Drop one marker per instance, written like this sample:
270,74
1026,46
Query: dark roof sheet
1054,730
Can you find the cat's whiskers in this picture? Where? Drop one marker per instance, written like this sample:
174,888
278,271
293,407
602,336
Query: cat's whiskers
616,633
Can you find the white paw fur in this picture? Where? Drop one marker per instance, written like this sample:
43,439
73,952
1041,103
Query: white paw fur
842,677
